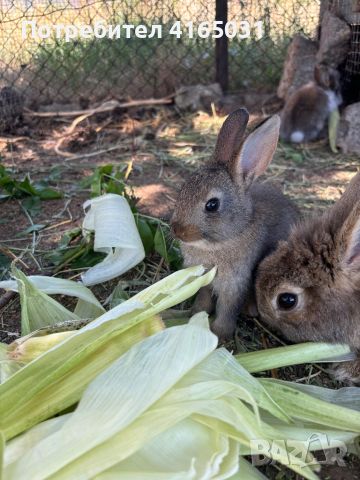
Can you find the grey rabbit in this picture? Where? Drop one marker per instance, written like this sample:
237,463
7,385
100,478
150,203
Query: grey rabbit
306,111
225,217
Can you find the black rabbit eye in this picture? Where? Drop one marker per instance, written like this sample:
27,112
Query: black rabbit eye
212,205
287,301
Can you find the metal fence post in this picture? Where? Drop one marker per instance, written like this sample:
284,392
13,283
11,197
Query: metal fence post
221,47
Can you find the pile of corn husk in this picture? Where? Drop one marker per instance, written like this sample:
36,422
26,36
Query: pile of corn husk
124,397
89,393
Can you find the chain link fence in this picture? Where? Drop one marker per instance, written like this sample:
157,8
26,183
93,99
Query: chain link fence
47,67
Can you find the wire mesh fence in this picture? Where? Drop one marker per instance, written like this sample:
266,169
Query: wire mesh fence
39,59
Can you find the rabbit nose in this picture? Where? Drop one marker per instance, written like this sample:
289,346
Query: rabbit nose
179,231
185,233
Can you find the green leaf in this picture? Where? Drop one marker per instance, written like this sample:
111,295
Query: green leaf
88,259
5,261
175,257
33,228
95,181
160,243
297,158
118,296
47,193
146,234
55,173
32,205
27,187
69,236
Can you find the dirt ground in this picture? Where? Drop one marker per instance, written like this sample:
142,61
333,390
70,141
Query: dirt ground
163,147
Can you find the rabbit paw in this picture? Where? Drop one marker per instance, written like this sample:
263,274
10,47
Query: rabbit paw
204,301
224,330
348,372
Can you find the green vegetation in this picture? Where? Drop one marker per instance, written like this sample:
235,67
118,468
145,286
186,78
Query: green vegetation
157,63
11,188
77,252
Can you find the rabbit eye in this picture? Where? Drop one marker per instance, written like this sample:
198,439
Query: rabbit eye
212,205
287,301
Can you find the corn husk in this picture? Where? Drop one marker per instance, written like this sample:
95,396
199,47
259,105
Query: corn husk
348,397
111,219
39,310
26,350
174,396
7,366
294,354
56,379
333,126
56,286
2,453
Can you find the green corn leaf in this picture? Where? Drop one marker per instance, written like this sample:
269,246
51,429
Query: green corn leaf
170,396
88,305
2,453
160,243
305,407
56,379
291,355
348,397
334,120
37,308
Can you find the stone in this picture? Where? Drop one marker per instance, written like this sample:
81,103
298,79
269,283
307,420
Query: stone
348,138
198,97
298,67
334,40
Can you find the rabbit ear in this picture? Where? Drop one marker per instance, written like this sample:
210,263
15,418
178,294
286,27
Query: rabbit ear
327,77
231,136
343,208
321,75
258,150
351,233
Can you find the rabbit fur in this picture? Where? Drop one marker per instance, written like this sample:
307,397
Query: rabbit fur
307,110
319,267
250,220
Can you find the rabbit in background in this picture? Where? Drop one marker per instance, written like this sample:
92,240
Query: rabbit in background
224,217
309,288
306,112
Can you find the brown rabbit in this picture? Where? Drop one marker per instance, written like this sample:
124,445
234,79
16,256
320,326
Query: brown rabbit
309,288
306,111
224,217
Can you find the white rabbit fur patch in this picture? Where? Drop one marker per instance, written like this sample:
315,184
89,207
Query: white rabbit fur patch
334,100
297,136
